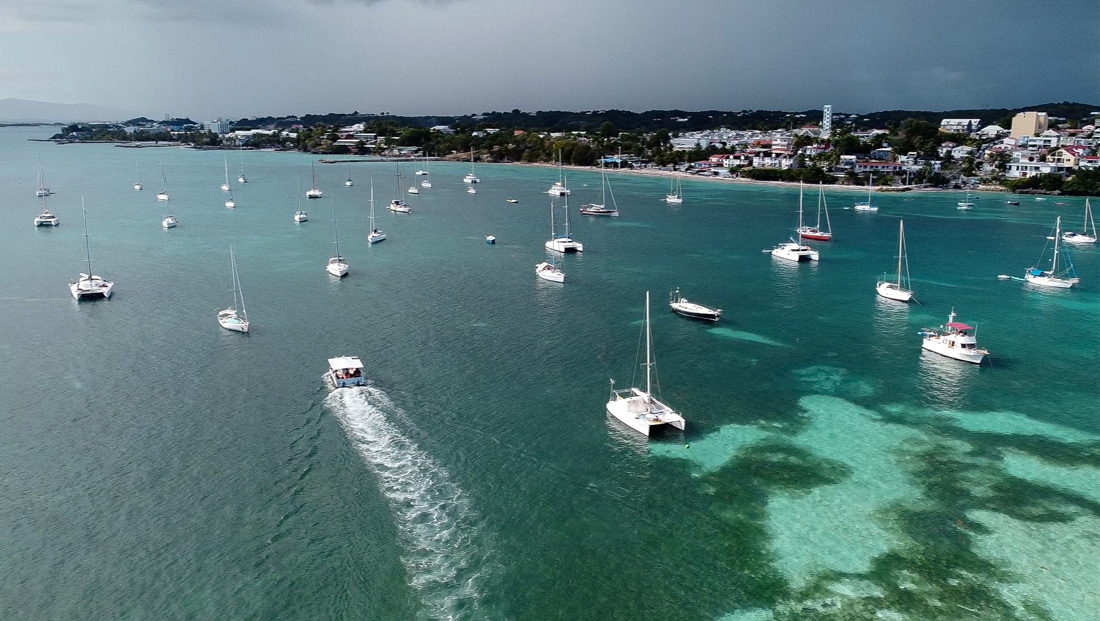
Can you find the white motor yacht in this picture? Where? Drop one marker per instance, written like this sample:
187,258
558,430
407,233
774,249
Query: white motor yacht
954,340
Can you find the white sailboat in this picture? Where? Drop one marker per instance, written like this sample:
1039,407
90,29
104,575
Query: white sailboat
349,182
137,176
967,204
869,205
242,178
225,186
169,221
376,234
675,194
601,208
1084,237
681,306
564,242
637,408
559,188
1062,278
89,286
547,270
336,266
471,178
231,318
300,215
397,205
314,192
901,288
795,250
427,182
954,340
816,232
163,194
230,204
42,189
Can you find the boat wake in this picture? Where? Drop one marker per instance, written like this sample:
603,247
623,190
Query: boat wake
445,554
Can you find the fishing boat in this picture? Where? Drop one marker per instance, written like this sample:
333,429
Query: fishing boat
89,286
137,176
564,242
559,188
349,182
795,250
336,266
163,194
675,194
46,219
1062,277
601,208
376,234
637,408
547,270
681,306
314,191
1084,237
471,177
967,204
816,232
344,371
954,340
242,178
868,205
42,189
225,186
231,318
900,288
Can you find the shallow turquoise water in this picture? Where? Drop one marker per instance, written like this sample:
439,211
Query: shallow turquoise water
158,466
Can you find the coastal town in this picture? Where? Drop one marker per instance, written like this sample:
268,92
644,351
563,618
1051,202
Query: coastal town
1030,151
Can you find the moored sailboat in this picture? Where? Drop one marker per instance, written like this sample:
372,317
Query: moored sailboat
376,234
601,208
563,242
163,194
1061,278
336,266
1084,237
314,191
89,286
869,204
231,318
816,232
675,194
795,250
901,288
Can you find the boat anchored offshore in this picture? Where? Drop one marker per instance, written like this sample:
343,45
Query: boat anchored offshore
681,306
46,219
795,250
345,371
89,286
1084,237
562,243
337,265
314,191
548,271
675,194
954,340
816,232
637,408
967,204
868,205
601,208
376,234
231,318
1063,279
900,289
558,189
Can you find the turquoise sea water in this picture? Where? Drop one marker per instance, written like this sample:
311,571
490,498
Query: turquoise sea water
153,465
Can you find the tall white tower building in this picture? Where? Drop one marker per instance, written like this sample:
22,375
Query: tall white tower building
826,121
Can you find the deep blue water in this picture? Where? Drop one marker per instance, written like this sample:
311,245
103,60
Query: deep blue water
153,465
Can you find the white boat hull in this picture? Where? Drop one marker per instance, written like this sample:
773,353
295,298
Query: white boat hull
90,288
301,216
230,204
376,237
673,200
564,245
414,190
944,346
795,252
338,270
1078,238
137,186
892,291
314,194
40,221
643,414
225,187
169,222
1051,281
547,271
163,196
229,320
425,184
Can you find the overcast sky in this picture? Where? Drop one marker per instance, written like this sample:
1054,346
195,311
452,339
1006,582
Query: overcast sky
238,58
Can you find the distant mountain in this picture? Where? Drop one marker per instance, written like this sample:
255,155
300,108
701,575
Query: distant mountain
26,111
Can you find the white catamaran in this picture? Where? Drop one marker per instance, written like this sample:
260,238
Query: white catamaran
89,286
231,318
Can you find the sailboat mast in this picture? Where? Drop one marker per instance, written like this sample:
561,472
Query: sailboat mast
603,184
552,236
799,231
566,186
1057,234
648,351
335,234
372,204
87,246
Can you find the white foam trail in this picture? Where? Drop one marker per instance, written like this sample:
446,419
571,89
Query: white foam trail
438,527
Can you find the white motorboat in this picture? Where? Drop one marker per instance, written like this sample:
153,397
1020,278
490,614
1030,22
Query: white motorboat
336,266
1062,277
225,186
471,177
682,306
967,204
675,194
637,408
42,189
46,219
314,192
816,232
242,178
954,340
1084,237
344,371
601,208
564,242
89,286
163,194
376,234
230,318
899,289
795,250
559,188
547,270
869,205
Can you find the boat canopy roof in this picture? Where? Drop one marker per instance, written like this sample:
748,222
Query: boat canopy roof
345,362
959,326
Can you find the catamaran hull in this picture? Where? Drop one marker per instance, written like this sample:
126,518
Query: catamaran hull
642,423
563,246
82,291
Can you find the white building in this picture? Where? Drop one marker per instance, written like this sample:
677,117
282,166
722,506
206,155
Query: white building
966,126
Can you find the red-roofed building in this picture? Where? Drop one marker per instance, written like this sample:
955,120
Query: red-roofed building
1068,155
